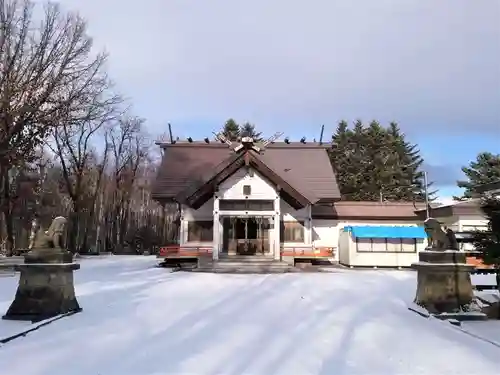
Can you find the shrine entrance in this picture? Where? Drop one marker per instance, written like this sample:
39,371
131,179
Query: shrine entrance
247,235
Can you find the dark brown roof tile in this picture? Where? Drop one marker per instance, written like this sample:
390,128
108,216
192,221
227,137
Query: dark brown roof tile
309,170
470,207
183,165
367,210
306,167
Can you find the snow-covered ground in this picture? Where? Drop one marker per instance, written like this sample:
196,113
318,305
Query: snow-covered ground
142,320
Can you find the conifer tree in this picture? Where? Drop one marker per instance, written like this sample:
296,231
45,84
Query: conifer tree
376,163
340,156
248,130
380,158
348,157
231,130
485,169
488,242
409,177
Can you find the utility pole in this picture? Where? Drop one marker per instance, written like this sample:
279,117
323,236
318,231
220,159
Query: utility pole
321,134
427,213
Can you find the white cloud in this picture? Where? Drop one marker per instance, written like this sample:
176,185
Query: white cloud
425,63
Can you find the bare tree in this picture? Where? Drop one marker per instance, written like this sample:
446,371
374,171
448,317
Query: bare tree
128,148
93,189
54,92
75,143
46,72
40,191
41,164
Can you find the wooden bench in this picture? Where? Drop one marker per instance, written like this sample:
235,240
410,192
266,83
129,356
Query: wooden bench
303,252
180,252
474,258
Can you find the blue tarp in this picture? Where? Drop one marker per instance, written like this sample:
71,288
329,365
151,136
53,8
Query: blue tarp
386,232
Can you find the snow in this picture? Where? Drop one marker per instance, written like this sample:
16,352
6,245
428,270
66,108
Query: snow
479,279
488,332
141,320
490,296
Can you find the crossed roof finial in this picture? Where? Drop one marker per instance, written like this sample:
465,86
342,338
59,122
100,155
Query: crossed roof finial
247,142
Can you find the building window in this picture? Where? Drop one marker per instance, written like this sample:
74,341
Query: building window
394,245
363,245
200,231
386,245
292,231
409,245
246,205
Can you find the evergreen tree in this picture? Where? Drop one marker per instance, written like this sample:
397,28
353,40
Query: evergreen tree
379,159
234,132
248,130
485,169
340,155
488,242
359,165
376,163
408,175
231,130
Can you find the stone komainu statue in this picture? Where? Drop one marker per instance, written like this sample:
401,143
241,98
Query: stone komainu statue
437,238
52,238
453,239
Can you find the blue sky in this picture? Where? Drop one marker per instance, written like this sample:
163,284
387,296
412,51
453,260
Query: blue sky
290,65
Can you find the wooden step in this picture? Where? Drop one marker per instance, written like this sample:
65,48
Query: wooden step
244,264
249,262
260,269
246,258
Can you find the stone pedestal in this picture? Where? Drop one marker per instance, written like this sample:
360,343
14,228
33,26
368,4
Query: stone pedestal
46,286
48,256
444,282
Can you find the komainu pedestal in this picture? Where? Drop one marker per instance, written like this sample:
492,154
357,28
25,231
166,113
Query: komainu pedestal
46,287
443,281
444,286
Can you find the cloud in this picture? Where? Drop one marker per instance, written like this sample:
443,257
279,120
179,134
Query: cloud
443,175
427,64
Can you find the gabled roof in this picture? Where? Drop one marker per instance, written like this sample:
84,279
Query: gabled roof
198,194
306,168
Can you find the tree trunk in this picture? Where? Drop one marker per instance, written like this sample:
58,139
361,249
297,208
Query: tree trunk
84,244
73,228
114,225
6,204
9,226
88,223
99,223
123,223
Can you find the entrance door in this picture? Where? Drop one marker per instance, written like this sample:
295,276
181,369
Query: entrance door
246,235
